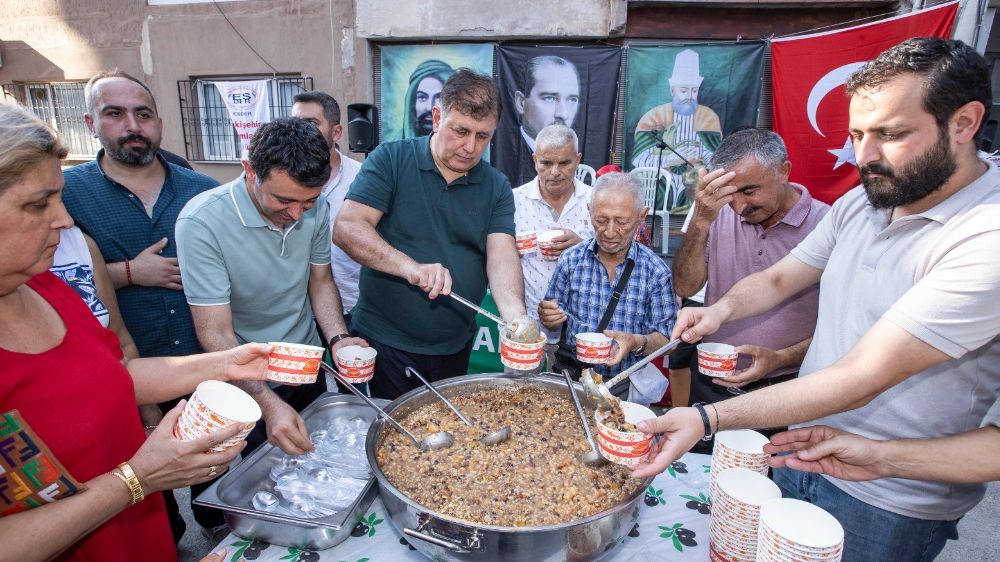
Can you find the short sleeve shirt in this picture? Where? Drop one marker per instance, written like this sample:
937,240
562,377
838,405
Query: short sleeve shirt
430,221
737,248
532,213
229,254
936,275
157,318
346,271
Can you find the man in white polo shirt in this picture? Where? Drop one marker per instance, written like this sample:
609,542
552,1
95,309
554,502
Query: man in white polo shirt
907,340
554,200
255,256
322,110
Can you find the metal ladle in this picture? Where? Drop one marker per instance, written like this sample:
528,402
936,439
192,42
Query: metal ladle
519,329
593,457
434,441
498,436
600,393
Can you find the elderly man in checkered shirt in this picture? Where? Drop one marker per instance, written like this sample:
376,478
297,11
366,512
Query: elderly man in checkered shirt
586,276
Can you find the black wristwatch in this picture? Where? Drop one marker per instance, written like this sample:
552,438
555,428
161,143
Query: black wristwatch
337,338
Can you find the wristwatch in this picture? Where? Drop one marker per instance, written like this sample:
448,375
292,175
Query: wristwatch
642,348
337,338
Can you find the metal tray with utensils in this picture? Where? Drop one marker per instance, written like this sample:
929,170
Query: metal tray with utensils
233,492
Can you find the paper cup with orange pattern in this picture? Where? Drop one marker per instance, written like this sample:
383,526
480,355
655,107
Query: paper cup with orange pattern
213,406
521,356
593,347
526,242
293,363
545,244
627,448
717,359
356,363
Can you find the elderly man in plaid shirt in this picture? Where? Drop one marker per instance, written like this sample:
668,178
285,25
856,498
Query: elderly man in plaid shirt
586,276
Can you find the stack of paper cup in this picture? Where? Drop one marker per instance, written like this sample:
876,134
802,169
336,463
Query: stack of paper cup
736,513
742,448
214,406
797,530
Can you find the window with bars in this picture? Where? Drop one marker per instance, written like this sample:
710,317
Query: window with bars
209,135
61,105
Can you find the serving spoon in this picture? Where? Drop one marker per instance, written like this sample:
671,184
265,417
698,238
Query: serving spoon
498,436
593,457
432,442
520,328
600,393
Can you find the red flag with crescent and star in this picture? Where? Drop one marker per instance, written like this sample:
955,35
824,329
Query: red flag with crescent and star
810,104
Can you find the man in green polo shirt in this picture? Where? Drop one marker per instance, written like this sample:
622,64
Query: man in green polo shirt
255,256
425,216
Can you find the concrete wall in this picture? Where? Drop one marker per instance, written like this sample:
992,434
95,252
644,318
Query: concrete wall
451,19
72,39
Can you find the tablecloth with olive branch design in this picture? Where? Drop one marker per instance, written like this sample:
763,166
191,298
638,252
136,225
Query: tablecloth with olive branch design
673,525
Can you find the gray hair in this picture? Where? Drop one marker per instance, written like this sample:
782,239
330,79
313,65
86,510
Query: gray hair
556,136
25,142
764,145
618,180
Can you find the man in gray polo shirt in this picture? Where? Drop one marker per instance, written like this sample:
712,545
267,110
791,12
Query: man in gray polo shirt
255,256
907,342
748,216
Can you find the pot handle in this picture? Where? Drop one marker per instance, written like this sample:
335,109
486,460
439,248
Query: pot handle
471,543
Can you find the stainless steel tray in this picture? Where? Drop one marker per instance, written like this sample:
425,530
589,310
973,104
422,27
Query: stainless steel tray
233,492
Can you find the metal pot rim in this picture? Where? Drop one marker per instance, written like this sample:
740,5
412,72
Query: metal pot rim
377,426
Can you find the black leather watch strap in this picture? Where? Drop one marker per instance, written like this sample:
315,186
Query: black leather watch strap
337,338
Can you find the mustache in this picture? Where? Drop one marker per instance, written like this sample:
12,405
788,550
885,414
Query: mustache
875,168
747,211
133,137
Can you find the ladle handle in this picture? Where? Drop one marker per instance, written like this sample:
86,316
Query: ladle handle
340,378
478,309
411,370
579,410
667,348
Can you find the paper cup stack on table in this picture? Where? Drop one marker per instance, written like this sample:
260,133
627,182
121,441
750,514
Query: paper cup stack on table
793,530
736,513
545,244
717,359
356,363
592,347
293,363
214,406
741,448
618,442
526,242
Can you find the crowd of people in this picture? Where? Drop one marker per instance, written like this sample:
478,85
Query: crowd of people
869,328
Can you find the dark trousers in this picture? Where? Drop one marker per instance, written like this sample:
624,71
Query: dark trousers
705,391
390,380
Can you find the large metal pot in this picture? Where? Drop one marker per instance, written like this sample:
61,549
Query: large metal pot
441,537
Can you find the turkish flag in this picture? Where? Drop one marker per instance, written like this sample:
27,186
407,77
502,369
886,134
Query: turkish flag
810,104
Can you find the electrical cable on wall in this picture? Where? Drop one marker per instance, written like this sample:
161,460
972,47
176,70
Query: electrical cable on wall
245,42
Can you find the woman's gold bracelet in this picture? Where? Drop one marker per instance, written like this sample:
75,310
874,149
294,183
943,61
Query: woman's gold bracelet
127,475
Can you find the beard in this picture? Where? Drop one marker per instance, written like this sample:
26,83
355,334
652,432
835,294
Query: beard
425,124
129,156
685,107
913,181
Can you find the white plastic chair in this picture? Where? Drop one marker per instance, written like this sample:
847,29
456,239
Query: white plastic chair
586,174
647,177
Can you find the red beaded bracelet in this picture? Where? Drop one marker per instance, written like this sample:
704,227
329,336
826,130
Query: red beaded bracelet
128,273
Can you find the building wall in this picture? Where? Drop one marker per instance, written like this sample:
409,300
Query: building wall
56,40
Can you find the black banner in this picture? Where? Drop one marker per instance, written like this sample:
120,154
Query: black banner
542,85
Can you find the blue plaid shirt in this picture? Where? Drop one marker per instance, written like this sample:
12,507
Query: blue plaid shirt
158,318
581,287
